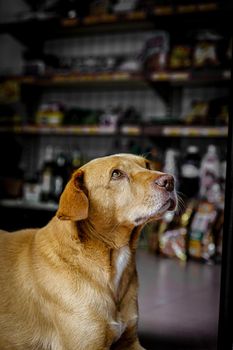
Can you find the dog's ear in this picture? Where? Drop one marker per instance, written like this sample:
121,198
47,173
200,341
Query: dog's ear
73,204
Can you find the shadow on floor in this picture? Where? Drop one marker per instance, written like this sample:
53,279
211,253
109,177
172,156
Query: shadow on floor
156,342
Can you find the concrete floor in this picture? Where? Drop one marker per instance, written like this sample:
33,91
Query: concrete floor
178,304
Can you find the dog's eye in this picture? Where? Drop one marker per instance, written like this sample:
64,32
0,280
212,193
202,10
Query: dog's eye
117,174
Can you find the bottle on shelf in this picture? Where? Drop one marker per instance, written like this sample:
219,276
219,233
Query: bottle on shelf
77,159
209,172
47,174
170,163
190,173
60,175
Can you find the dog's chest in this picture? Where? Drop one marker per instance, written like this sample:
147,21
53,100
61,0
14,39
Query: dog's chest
121,260
118,328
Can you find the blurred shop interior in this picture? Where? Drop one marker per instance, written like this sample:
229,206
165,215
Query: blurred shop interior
80,80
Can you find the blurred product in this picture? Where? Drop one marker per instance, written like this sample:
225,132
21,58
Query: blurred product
205,54
77,160
155,52
39,64
171,161
110,117
9,91
50,114
39,10
190,172
60,175
129,116
180,57
128,64
124,6
173,240
209,172
93,64
34,67
205,51
47,173
212,112
198,114
31,191
173,243
201,238
82,116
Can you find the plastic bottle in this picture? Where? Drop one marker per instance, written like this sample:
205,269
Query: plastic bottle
47,175
60,175
209,172
190,172
170,164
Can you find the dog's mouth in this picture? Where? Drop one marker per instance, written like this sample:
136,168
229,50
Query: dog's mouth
168,205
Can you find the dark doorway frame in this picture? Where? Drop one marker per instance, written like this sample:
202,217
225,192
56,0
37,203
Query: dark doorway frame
225,328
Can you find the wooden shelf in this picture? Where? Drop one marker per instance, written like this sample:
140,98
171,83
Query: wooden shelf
23,204
105,80
125,79
201,76
187,131
59,130
126,130
165,17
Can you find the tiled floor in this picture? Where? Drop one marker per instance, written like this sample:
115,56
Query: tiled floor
178,304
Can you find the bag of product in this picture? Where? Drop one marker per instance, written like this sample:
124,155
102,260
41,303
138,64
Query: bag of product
201,238
173,232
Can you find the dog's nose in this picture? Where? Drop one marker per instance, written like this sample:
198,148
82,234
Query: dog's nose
166,181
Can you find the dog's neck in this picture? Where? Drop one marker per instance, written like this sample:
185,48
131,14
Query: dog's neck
118,244
113,257
114,236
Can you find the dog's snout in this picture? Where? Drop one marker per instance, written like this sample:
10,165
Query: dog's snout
166,181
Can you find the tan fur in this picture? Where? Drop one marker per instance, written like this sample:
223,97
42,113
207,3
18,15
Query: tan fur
72,285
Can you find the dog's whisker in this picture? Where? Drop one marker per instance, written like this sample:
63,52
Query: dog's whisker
181,204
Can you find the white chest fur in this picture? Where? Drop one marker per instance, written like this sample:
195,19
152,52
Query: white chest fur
121,261
118,328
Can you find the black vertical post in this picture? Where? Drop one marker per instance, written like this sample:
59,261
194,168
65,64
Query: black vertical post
225,329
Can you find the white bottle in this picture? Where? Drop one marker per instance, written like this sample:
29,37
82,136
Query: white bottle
170,162
209,172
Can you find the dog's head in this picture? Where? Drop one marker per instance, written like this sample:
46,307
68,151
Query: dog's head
119,189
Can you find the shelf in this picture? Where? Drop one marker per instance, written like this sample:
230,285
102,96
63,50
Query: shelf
59,130
158,17
187,131
201,76
23,204
85,130
126,130
125,79
106,80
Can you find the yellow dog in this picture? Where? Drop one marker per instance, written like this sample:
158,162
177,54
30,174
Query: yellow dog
72,285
